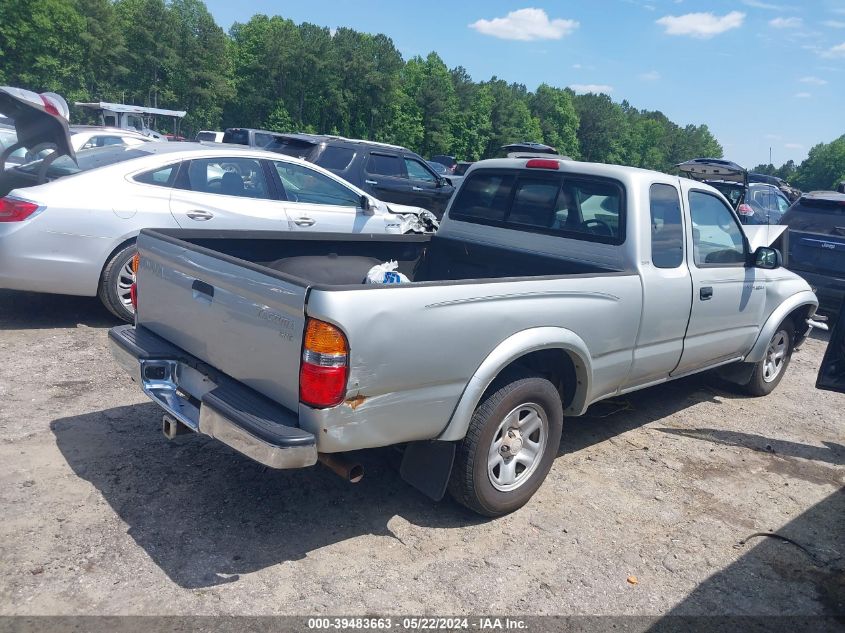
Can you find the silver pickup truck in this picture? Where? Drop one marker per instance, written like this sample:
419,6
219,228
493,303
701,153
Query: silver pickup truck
551,285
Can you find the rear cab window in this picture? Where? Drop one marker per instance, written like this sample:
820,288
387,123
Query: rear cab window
667,229
570,205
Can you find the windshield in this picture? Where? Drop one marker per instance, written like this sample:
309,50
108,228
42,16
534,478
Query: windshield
86,159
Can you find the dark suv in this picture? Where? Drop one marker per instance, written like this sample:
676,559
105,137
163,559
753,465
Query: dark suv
388,172
817,244
251,137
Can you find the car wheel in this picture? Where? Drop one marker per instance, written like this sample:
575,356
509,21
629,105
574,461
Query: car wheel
115,284
769,371
509,447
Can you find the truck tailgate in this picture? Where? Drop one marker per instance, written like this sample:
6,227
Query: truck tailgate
246,323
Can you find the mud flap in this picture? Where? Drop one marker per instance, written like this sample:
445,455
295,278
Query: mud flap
427,466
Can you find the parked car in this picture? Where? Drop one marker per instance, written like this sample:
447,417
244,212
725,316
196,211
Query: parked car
754,202
438,168
209,136
526,147
817,244
250,137
551,285
792,194
448,162
389,172
75,235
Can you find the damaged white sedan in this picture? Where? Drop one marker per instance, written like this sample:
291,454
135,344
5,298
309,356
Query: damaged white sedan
69,227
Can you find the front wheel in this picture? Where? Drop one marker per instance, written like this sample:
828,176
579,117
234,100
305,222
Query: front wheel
115,284
509,447
769,371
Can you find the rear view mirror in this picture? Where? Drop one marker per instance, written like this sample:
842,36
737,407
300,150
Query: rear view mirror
767,258
365,205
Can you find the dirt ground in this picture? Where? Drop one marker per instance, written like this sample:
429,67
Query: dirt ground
100,514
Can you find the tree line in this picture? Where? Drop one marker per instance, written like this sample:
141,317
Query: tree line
272,73
824,167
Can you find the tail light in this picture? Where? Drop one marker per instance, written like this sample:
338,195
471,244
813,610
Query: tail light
325,368
542,163
745,210
14,210
133,289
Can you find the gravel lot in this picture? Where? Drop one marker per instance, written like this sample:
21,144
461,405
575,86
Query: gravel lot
100,514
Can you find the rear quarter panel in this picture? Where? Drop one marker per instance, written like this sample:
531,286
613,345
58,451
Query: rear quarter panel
414,348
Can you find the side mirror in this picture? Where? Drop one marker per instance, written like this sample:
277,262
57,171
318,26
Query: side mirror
767,258
366,206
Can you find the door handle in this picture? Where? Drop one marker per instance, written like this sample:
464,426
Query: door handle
304,221
706,293
202,292
417,188
371,182
199,216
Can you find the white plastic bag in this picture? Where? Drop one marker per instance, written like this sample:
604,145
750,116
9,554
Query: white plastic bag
386,274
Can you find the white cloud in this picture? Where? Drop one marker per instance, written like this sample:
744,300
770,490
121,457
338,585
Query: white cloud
793,146
597,88
525,25
834,24
651,75
773,137
701,25
786,23
816,81
836,51
802,95
763,5
577,66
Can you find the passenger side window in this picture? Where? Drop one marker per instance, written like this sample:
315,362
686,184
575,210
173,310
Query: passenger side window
302,184
716,235
236,176
667,230
384,165
417,172
162,177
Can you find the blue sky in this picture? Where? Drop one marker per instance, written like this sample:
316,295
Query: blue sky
759,73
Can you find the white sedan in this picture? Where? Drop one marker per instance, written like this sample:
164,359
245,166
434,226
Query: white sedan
75,234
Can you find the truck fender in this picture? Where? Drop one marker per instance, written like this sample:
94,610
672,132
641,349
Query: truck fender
801,299
509,350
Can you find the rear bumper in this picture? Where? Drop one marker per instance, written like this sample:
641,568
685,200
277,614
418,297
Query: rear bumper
211,403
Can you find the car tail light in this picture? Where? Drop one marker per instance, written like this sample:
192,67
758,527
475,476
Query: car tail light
324,370
745,210
14,210
133,289
133,295
542,163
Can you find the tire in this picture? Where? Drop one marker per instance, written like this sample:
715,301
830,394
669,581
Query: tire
522,400
114,284
769,371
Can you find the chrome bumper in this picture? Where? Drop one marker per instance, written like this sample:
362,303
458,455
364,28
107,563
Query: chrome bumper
216,407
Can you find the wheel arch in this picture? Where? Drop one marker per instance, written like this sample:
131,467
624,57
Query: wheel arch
557,353
797,308
125,241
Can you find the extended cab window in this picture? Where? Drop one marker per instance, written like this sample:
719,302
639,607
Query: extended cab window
385,165
667,231
571,206
717,238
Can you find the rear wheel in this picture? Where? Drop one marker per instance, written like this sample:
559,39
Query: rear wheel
509,447
115,284
769,372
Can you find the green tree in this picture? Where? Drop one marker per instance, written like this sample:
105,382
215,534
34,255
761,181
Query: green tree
40,47
602,128
104,67
558,119
824,167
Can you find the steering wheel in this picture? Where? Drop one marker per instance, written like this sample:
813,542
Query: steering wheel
600,224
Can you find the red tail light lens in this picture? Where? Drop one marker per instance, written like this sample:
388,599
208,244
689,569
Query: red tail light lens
133,296
745,209
13,210
324,369
542,163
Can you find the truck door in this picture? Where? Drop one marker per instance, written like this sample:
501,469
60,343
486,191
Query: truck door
667,290
728,294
